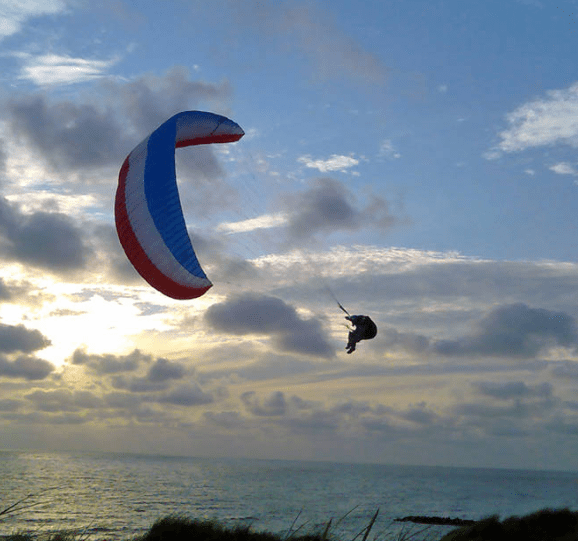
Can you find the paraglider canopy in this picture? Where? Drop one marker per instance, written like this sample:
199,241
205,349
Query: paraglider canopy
148,213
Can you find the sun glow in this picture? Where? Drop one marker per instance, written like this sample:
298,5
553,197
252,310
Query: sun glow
98,319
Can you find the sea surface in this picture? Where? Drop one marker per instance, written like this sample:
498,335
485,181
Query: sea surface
117,497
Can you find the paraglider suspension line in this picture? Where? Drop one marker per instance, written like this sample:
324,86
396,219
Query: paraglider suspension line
338,303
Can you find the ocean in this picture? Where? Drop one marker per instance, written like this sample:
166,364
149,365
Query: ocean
116,497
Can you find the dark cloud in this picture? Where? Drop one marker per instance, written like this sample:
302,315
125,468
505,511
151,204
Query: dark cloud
560,425
137,384
393,338
199,165
122,400
26,367
10,405
5,293
219,263
349,416
149,100
419,414
224,419
119,267
565,369
253,314
328,206
19,338
513,390
272,405
3,156
450,277
64,400
157,378
67,134
268,367
163,370
514,330
187,395
109,363
516,409
79,136
47,240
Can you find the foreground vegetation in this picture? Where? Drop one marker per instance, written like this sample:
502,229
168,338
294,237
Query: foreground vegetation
545,525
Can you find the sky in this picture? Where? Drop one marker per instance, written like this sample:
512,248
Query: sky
416,160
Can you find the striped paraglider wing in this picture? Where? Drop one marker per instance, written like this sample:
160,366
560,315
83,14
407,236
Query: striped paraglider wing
148,213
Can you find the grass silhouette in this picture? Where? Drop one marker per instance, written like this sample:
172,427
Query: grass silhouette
544,525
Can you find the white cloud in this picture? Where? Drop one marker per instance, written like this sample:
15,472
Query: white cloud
13,13
388,151
541,122
52,69
335,163
265,221
564,168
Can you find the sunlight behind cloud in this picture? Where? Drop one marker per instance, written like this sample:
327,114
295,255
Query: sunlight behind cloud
100,319
99,325
44,200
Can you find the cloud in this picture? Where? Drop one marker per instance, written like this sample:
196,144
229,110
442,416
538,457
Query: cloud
13,13
5,293
68,135
125,370
18,338
419,415
76,136
25,366
163,370
109,363
334,163
270,406
349,416
64,400
328,206
542,122
248,314
138,384
44,239
564,168
514,330
3,157
10,405
388,151
515,410
566,370
149,100
187,395
265,221
333,54
52,69
513,390
413,342
268,367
